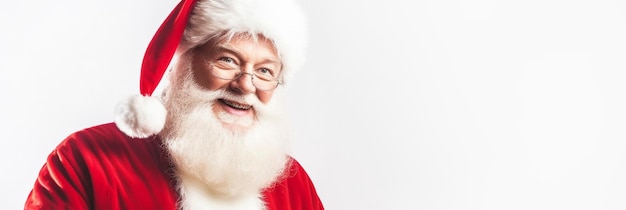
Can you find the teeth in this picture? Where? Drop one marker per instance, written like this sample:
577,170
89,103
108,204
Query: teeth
236,105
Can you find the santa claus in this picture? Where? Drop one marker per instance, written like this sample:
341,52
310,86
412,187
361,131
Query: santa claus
217,136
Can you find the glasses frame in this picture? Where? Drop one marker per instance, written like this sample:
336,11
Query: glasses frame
241,73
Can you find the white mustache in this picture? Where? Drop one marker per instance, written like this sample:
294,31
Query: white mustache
249,99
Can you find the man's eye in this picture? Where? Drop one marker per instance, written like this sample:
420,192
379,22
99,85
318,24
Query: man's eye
265,74
265,71
226,59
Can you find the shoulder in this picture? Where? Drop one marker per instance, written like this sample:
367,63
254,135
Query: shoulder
295,174
106,135
90,166
99,134
295,169
105,151
297,187
105,140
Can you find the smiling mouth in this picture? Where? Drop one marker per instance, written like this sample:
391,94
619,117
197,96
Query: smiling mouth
235,105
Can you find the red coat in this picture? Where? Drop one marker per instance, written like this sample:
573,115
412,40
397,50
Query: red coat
101,168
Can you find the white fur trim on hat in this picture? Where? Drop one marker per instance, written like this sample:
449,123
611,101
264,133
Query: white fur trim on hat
140,116
281,21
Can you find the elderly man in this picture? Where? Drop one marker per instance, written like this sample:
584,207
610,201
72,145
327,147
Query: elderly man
216,138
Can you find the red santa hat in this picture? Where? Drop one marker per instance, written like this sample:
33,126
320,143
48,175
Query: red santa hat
192,23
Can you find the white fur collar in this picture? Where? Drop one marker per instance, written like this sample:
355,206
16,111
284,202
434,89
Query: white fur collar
194,196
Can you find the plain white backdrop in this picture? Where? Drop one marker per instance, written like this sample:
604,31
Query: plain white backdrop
433,105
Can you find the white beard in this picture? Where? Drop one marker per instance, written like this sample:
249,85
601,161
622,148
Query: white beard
220,165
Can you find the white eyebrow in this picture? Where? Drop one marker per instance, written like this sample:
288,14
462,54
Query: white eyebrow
228,48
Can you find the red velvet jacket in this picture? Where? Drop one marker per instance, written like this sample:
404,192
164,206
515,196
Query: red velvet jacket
101,168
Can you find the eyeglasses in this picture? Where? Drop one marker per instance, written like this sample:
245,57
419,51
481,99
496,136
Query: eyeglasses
262,79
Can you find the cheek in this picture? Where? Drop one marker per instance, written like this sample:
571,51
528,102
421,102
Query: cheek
264,96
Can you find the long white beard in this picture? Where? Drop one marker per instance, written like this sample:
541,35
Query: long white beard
228,162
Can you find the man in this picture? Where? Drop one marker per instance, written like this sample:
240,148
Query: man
215,139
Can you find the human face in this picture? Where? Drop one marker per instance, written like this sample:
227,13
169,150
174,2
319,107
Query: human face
250,55
207,140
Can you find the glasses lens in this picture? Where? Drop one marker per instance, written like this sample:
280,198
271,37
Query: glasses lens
225,71
265,79
262,80
263,84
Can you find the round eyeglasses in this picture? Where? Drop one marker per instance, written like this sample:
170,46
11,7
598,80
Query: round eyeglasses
262,78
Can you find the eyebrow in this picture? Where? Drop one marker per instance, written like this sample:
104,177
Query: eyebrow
227,48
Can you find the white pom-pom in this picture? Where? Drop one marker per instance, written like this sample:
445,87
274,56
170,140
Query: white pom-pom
140,116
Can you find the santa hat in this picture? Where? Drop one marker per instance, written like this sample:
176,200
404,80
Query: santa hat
192,23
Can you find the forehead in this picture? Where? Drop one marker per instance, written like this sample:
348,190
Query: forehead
242,45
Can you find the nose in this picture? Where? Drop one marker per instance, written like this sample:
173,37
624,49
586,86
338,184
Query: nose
243,84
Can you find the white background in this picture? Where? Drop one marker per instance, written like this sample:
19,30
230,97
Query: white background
430,105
